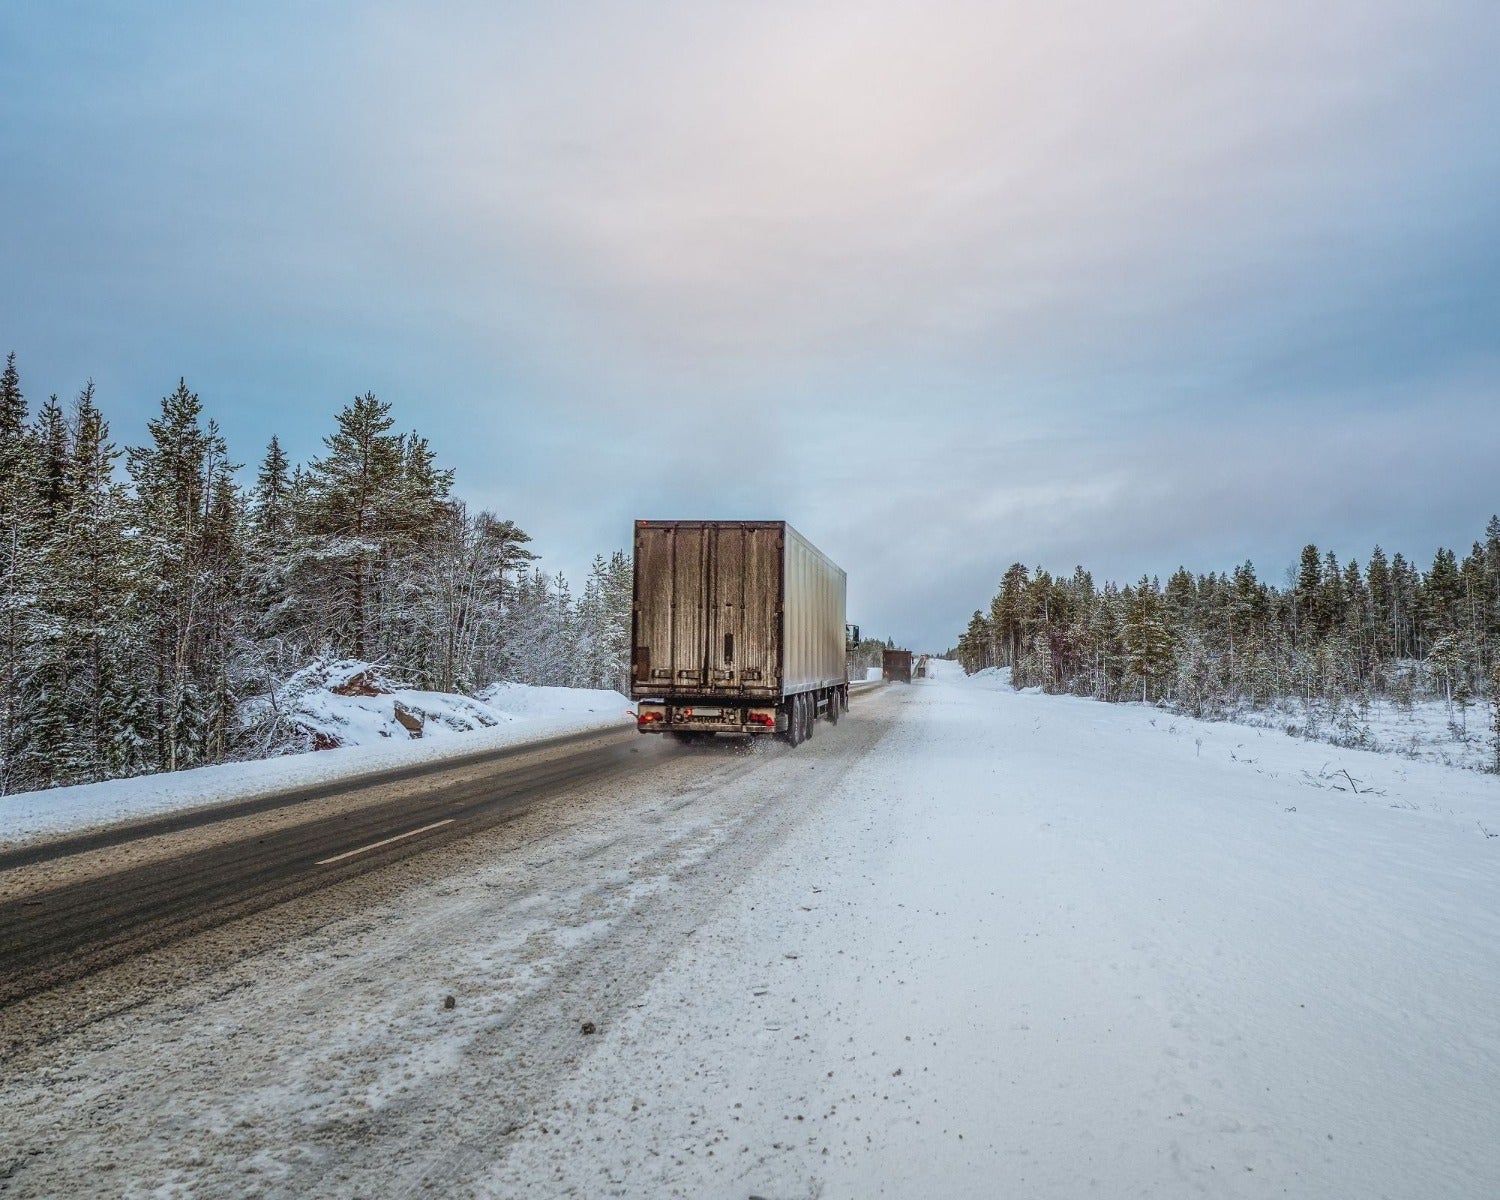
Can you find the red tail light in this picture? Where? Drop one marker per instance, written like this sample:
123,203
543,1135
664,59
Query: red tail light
756,718
648,718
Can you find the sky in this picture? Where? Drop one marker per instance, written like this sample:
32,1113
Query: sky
945,285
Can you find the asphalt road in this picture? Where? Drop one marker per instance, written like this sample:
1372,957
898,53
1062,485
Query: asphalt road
54,935
51,937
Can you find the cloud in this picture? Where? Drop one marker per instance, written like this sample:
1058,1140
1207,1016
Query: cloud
947,285
994,182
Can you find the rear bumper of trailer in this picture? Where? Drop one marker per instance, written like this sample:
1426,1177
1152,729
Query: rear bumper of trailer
708,716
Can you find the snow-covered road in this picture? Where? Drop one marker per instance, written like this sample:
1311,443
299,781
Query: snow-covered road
968,943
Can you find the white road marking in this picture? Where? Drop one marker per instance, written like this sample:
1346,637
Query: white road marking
323,862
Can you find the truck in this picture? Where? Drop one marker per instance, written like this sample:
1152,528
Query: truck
737,627
895,664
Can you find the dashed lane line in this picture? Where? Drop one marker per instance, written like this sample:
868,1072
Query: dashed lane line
323,862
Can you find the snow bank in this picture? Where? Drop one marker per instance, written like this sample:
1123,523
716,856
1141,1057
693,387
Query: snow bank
347,702
371,739
991,678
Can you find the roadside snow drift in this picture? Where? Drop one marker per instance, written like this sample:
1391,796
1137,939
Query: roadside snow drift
359,716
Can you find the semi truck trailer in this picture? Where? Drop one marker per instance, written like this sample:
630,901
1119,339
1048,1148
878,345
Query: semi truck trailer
737,627
896,664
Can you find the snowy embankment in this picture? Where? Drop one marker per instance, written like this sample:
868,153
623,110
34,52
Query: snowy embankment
362,725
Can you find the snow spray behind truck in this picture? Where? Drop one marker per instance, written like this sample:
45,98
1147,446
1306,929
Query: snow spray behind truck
737,627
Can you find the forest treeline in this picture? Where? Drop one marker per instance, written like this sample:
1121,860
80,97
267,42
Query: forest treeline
146,594
1335,637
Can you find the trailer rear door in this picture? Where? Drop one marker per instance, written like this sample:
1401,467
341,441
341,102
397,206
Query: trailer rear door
744,600
708,599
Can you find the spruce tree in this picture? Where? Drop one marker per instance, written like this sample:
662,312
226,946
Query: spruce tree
271,516
52,438
1306,593
20,523
1492,574
179,479
48,758
95,561
975,651
618,590
1007,611
1442,596
1148,645
351,493
12,404
1379,577
1495,714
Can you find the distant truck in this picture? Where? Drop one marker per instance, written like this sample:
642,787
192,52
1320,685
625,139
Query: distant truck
895,665
737,627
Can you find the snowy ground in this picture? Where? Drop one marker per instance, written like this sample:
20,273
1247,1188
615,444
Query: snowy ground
970,943
1429,730
373,742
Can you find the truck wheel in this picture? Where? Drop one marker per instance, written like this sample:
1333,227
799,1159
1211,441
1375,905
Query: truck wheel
793,734
809,713
833,707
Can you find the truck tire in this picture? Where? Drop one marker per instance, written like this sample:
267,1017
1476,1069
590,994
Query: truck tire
793,734
834,707
809,713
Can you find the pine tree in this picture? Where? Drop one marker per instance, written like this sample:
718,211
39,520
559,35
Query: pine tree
1495,713
1305,596
52,434
1008,611
1382,628
1181,595
974,646
618,591
20,521
352,494
94,560
12,407
1492,575
1404,626
1447,659
1148,645
1441,596
1106,643
47,758
1357,624
271,519
179,478
1332,600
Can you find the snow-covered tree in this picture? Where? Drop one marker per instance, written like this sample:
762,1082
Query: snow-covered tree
184,497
